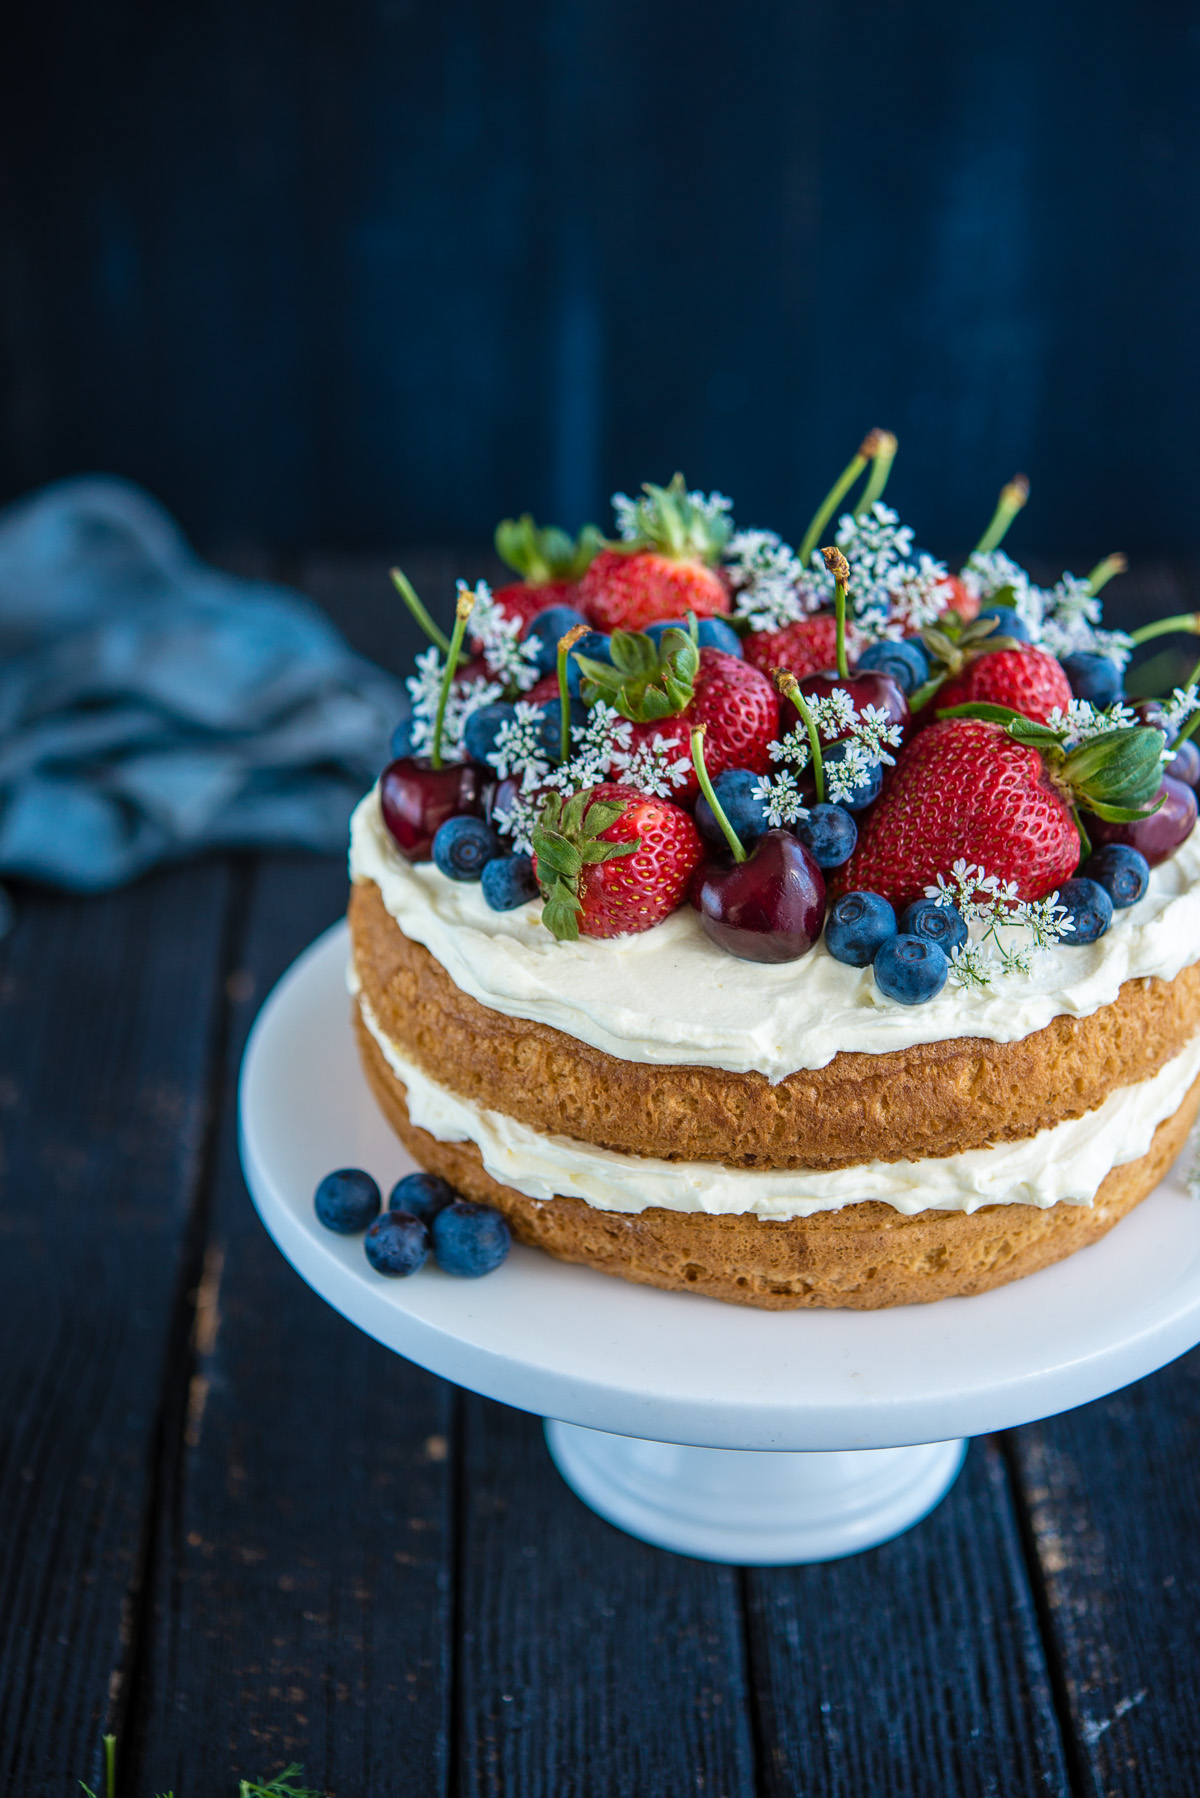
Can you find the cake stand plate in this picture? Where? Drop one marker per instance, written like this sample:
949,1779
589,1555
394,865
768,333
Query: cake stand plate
662,1403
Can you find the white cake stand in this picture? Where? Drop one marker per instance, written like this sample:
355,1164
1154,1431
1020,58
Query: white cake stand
663,1403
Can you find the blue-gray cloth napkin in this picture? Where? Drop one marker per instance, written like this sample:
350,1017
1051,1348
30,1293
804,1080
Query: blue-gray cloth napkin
151,707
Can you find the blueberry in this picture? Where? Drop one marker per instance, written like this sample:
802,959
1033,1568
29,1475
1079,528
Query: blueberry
714,633
658,630
470,1240
402,739
397,1243
830,832
1088,906
1186,765
424,1195
911,969
1094,677
508,882
857,926
906,662
550,729
868,789
596,645
1121,870
463,847
548,627
1008,624
346,1201
748,816
940,924
483,727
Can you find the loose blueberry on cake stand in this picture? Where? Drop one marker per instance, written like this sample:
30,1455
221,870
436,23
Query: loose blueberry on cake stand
662,1405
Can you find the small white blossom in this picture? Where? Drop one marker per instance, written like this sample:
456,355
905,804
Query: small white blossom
655,767
781,799
772,589
499,638
793,748
638,518
1180,707
1082,721
832,713
464,698
519,747
917,594
873,545
516,820
598,742
971,965
1070,624
848,772
1009,935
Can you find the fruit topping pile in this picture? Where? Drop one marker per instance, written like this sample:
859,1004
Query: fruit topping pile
937,772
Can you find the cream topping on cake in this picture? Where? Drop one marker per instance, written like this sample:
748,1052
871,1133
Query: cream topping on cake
1062,1165
669,996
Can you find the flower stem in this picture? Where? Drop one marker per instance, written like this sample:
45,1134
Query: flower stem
1162,627
881,468
565,646
1085,842
789,686
462,611
833,499
706,787
1012,497
1103,572
839,568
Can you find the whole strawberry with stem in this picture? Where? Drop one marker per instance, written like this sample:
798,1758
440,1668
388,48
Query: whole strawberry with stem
549,561
612,861
668,688
1000,792
978,663
805,647
665,567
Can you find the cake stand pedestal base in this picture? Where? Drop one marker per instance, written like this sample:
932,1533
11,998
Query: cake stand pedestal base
754,1507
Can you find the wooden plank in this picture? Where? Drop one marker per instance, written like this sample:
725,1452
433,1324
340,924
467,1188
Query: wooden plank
107,1015
302,1590
914,1669
589,1663
1112,1492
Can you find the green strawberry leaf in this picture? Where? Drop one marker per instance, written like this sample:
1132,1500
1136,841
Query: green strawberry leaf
1123,767
644,682
1121,814
547,554
560,914
559,856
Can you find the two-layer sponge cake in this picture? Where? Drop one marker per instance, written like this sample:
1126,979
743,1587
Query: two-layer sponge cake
777,1135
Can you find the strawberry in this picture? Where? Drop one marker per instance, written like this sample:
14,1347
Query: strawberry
960,601
801,648
664,569
1023,678
666,689
549,562
612,861
963,788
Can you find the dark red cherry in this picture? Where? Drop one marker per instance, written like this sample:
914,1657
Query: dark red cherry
1157,836
416,799
1150,711
771,907
866,688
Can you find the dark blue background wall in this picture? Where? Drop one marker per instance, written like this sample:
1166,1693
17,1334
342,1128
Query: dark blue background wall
358,271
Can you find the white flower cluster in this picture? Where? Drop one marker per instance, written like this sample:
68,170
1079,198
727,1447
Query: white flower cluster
891,595
637,518
1009,935
499,638
1065,619
865,740
465,697
1082,721
1180,707
772,589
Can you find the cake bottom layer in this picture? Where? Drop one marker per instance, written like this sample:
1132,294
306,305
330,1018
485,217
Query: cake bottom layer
863,1257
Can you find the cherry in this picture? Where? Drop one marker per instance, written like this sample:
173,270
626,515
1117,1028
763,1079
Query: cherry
1159,835
866,687
770,907
1150,712
416,799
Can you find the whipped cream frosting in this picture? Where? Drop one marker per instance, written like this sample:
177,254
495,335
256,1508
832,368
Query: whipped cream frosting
670,996
1064,1164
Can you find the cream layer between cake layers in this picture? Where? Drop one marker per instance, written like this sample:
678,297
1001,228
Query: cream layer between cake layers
1062,1165
669,996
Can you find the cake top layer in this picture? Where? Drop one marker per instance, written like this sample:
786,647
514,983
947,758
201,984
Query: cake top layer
670,996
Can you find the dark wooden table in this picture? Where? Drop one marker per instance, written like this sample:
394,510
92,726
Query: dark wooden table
239,1533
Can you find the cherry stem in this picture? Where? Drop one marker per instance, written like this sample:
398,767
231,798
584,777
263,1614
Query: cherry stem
565,646
706,787
462,611
1163,627
881,468
789,686
1103,572
820,518
408,594
1194,721
1012,497
839,568
1085,842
